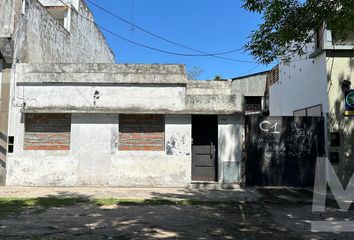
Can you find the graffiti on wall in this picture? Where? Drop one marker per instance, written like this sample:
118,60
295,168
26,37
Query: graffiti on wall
283,150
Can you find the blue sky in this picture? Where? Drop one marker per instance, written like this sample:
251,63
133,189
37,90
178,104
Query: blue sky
207,25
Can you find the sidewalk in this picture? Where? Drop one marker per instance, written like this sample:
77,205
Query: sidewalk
264,194
234,195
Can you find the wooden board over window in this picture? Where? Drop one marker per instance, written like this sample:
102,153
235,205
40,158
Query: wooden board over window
47,131
141,132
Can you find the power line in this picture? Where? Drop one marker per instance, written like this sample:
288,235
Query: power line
160,37
150,47
249,70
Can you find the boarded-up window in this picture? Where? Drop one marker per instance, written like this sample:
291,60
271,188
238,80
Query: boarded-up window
47,131
141,132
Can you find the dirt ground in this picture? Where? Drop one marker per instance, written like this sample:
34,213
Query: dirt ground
204,221
262,213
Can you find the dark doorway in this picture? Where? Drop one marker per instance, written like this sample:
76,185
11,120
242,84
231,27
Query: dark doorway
204,147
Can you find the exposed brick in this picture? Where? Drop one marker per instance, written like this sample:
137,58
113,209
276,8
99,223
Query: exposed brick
47,132
141,132
57,147
140,148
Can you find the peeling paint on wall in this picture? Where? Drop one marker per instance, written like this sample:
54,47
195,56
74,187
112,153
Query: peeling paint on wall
176,144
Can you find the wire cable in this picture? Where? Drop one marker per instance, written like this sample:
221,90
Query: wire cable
150,47
160,37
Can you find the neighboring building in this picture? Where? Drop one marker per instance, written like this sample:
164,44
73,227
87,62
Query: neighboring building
254,89
34,31
312,85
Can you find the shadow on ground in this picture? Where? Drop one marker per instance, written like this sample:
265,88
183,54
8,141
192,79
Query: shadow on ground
197,215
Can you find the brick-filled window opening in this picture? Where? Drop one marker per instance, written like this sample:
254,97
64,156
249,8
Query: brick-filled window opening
47,132
145,132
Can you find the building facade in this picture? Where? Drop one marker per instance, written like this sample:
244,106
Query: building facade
123,125
312,85
71,117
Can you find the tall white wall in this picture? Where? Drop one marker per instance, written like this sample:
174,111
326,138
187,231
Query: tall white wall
302,83
39,38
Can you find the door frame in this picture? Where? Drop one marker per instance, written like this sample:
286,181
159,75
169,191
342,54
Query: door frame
213,120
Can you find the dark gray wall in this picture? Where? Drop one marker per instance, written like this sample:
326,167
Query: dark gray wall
282,151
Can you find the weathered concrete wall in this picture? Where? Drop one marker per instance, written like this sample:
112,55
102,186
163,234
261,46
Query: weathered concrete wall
37,168
102,73
169,168
128,99
212,97
339,69
34,36
92,146
94,158
37,37
253,85
231,134
124,88
8,17
121,88
48,42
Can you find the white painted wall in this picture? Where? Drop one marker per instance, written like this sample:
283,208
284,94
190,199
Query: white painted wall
166,168
231,135
94,158
302,83
111,97
91,136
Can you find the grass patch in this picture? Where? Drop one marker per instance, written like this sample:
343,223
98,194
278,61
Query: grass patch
16,205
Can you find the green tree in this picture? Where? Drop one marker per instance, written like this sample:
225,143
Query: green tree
287,25
217,78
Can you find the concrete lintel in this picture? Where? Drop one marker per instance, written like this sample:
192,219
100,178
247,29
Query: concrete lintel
101,73
98,84
126,111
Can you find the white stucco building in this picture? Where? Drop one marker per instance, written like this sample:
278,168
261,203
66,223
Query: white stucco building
71,117
312,85
122,125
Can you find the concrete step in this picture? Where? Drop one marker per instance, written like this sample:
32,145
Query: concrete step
213,186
